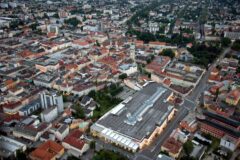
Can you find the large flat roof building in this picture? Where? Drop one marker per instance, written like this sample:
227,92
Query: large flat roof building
137,120
9,146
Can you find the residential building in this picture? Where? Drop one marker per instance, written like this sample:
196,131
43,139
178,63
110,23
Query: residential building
49,114
88,105
30,132
48,150
229,143
60,131
219,126
172,146
9,147
189,123
30,108
75,143
45,80
49,99
233,98
128,68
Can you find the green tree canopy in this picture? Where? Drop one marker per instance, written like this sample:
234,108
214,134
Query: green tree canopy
188,147
72,21
168,52
108,155
225,42
79,111
122,76
236,45
92,144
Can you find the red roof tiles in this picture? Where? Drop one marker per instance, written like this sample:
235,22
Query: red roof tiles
47,150
74,140
172,145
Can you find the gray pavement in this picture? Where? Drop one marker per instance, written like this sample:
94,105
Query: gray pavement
190,102
153,151
203,82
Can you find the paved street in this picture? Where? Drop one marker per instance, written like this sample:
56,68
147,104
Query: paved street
153,151
103,145
203,82
190,102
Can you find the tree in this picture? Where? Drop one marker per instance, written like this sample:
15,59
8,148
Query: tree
92,94
149,75
164,152
203,54
238,70
217,94
123,76
92,144
225,42
73,158
56,15
72,21
65,98
45,16
20,155
33,26
106,155
149,61
79,112
14,24
168,52
84,18
236,45
97,43
188,147
188,158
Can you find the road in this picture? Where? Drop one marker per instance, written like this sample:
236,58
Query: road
153,151
189,104
108,146
202,83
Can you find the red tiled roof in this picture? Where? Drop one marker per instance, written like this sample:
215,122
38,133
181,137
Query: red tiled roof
214,70
81,42
13,117
51,34
172,145
8,82
238,75
11,105
167,81
71,66
47,150
214,88
139,42
26,53
216,78
74,140
158,43
158,63
234,94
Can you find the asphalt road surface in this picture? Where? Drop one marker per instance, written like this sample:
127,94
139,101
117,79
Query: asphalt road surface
203,82
153,151
190,101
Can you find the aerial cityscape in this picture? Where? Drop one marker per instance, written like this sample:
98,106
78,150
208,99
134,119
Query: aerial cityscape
119,80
